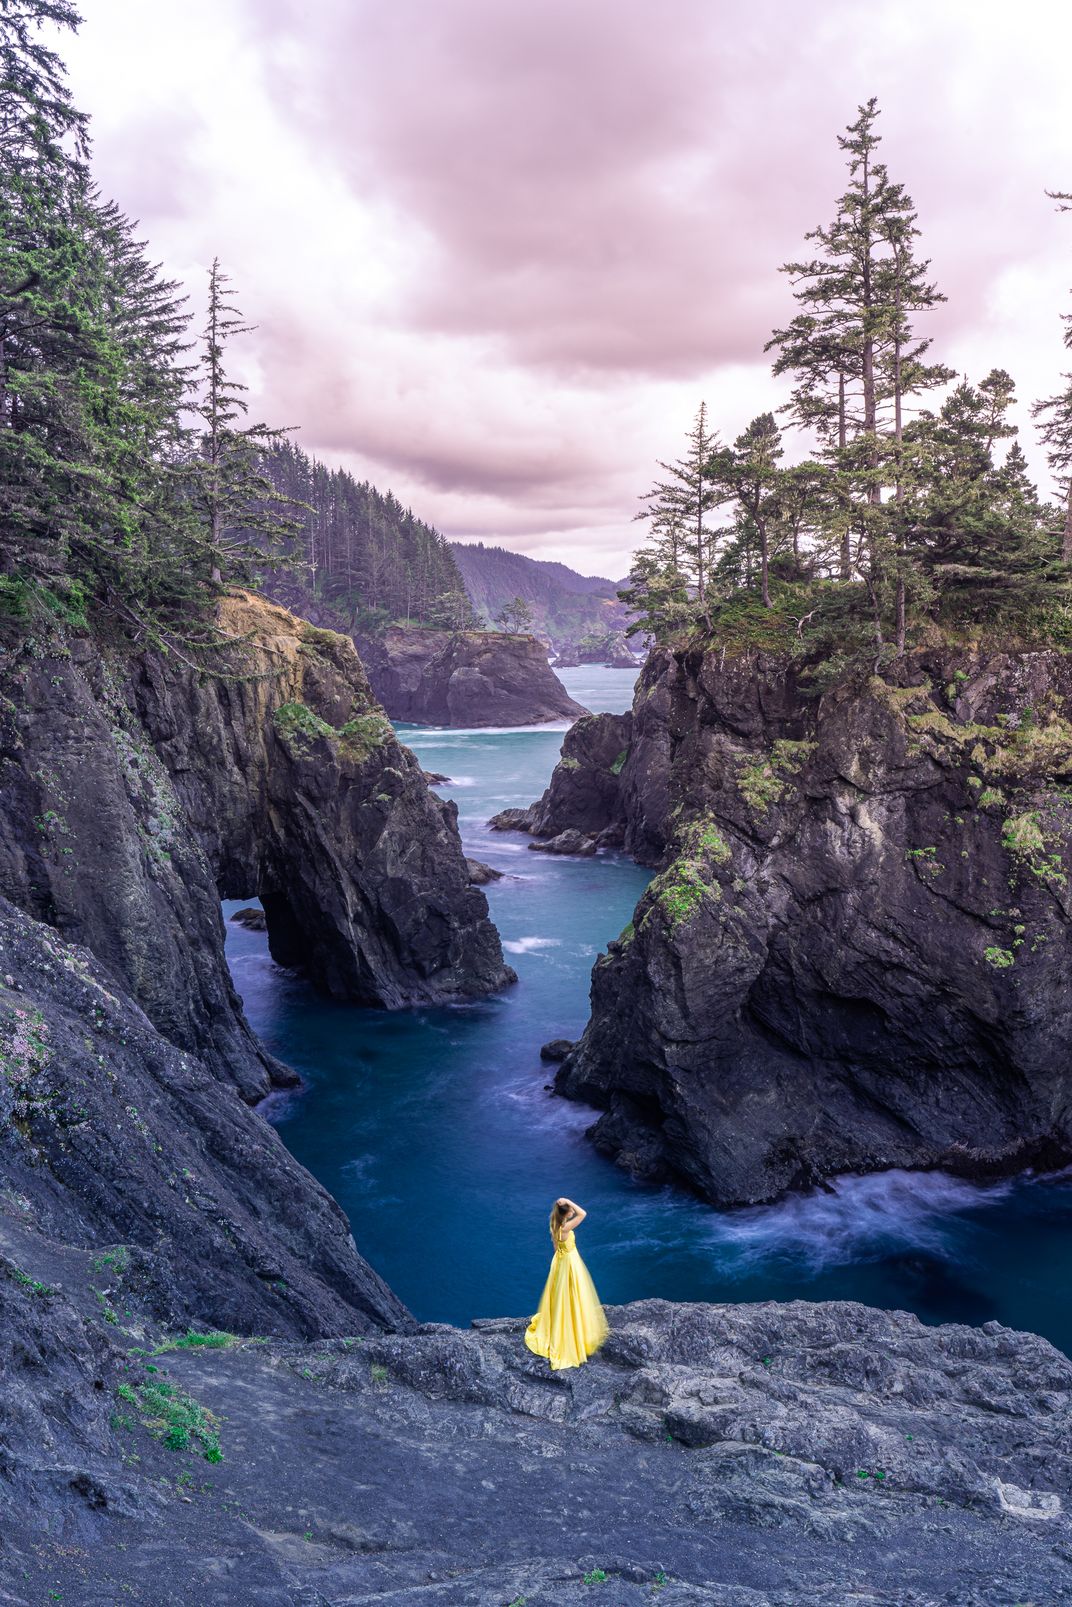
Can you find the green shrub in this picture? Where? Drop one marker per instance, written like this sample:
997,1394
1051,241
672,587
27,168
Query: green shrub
1000,959
297,723
217,1340
362,733
173,1417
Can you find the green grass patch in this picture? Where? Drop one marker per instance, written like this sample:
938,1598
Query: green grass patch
297,723
216,1340
758,785
173,1417
619,764
362,734
28,1285
680,891
1029,844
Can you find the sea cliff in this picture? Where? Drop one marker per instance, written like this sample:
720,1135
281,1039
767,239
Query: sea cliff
210,1394
465,678
856,954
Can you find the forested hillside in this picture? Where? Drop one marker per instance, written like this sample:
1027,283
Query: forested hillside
360,551
565,606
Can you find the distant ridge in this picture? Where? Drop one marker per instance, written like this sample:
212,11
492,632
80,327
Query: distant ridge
566,605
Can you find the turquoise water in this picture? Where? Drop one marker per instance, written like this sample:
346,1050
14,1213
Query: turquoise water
434,1130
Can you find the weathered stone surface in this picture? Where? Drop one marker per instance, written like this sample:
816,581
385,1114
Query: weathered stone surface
254,920
758,1456
465,678
857,955
480,874
511,819
613,652
110,1135
133,792
300,792
585,791
557,1049
567,842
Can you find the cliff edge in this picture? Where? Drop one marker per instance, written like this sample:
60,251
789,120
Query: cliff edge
857,952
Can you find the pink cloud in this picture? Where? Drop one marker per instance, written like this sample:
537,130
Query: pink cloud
497,253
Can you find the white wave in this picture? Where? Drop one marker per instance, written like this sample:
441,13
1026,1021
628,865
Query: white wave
546,1112
858,1219
420,736
457,781
526,945
360,1167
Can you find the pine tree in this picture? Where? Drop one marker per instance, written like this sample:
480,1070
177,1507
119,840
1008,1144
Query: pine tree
245,516
515,617
679,507
1055,419
657,594
748,472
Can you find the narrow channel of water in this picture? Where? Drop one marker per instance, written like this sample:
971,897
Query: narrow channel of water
434,1130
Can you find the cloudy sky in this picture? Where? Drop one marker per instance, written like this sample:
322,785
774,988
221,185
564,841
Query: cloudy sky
498,252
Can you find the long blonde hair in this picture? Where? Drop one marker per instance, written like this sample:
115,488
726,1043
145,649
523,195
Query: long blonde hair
559,1213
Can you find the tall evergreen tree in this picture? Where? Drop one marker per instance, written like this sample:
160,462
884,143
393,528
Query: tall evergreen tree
1055,419
854,350
244,513
679,507
748,472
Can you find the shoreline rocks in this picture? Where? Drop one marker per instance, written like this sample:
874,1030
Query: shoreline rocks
254,920
480,874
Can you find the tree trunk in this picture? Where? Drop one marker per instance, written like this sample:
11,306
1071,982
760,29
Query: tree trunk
870,407
846,551
1066,545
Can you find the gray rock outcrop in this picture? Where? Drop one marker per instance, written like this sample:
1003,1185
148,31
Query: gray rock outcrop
465,678
134,792
857,953
758,1456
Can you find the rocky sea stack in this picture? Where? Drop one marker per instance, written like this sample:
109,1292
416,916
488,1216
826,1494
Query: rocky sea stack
465,678
856,952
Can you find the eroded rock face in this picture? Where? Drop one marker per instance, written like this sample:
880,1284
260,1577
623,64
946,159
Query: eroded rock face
111,1136
583,798
133,792
857,954
295,783
465,678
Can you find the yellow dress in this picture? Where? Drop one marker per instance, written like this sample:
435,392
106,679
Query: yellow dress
569,1325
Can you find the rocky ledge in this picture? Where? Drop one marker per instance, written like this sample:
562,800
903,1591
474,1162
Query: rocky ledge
465,678
857,952
754,1456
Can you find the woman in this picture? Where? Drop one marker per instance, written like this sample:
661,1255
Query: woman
569,1325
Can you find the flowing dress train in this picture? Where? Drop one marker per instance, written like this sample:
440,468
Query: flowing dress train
570,1323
